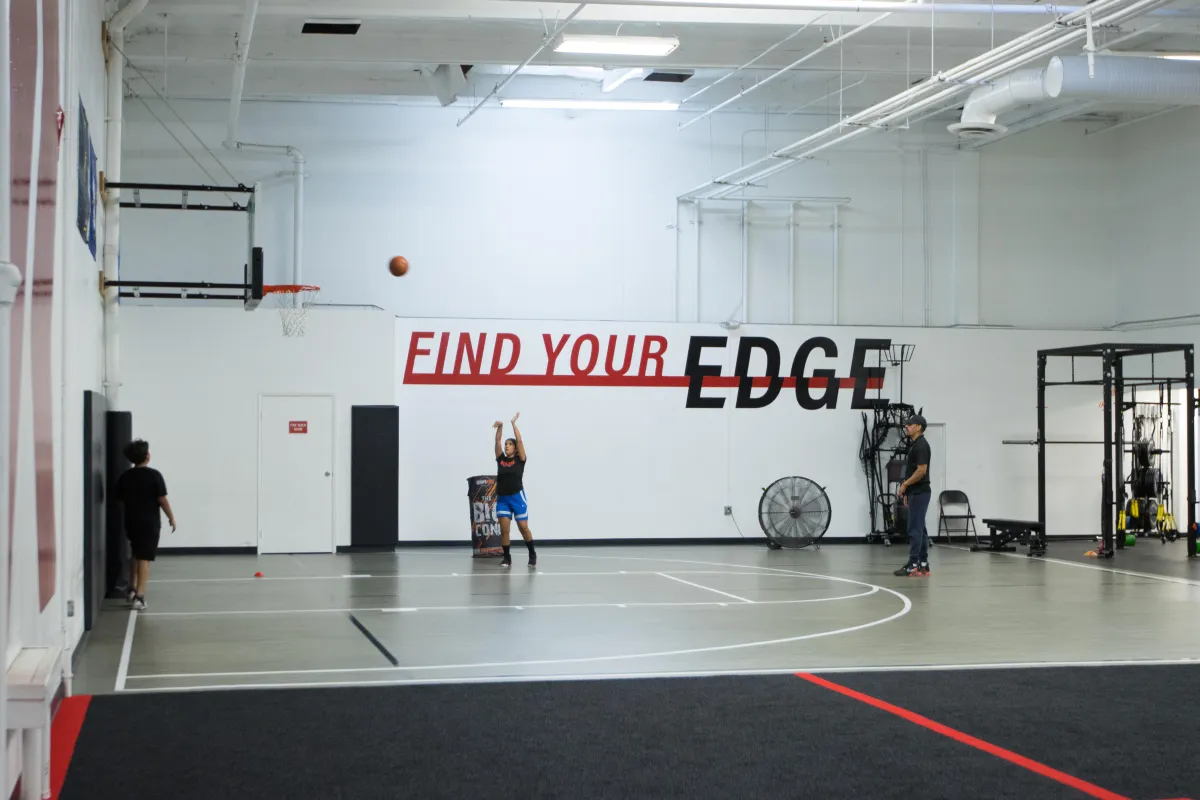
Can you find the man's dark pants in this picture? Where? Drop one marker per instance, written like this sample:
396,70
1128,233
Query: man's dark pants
918,535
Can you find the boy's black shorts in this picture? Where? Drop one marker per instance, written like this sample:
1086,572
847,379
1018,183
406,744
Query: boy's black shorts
144,544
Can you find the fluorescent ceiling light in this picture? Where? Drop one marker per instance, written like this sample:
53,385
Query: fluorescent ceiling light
618,79
1158,54
617,45
590,105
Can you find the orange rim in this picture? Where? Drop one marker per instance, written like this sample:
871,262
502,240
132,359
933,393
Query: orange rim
289,288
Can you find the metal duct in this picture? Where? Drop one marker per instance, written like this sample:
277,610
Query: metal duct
1140,80
1157,81
1014,90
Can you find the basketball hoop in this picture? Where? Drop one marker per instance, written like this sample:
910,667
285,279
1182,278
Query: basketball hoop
293,302
900,354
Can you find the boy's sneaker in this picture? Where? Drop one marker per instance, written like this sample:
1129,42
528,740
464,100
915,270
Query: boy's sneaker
506,561
905,571
130,595
923,569
139,604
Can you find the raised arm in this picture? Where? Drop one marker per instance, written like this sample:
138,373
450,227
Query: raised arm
520,441
499,426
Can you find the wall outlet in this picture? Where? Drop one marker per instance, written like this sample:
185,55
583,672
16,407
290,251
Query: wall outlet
70,608
729,511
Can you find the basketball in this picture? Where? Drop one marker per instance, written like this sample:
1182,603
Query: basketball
399,265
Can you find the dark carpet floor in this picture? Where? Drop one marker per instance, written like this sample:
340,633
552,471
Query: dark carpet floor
1131,731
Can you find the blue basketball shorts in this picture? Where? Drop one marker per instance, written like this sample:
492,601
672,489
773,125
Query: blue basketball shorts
513,506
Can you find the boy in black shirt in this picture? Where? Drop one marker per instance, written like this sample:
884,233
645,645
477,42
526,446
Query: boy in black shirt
143,492
915,492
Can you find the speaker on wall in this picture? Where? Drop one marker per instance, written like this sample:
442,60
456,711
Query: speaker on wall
374,477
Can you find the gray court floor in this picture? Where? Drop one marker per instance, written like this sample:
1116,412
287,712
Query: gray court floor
438,614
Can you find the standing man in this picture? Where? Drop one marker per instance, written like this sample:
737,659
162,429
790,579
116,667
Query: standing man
915,494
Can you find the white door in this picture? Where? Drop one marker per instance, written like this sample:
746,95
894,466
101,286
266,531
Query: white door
935,434
295,475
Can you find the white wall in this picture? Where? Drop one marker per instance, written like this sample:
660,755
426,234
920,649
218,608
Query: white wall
192,380
1158,242
79,329
71,356
547,214
75,360
1050,229
635,462
605,461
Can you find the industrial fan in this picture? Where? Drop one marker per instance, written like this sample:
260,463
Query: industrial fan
794,512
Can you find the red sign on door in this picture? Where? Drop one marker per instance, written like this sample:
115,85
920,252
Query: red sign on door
298,427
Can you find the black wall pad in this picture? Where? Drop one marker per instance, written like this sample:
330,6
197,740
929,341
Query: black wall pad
119,426
95,469
374,476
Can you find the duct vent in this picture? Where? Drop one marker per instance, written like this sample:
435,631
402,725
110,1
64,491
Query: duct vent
662,76
343,27
976,130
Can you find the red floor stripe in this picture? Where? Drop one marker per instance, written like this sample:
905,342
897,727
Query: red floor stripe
958,736
68,721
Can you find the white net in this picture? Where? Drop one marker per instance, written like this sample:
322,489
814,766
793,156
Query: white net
293,303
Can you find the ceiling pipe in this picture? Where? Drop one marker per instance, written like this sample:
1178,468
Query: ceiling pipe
113,133
1158,322
1135,80
549,40
812,54
241,58
869,6
938,90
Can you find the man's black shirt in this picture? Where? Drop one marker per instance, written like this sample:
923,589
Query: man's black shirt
918,454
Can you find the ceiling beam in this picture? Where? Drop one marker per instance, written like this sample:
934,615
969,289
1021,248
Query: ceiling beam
551,12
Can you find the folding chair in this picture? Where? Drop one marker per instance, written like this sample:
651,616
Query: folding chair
964,523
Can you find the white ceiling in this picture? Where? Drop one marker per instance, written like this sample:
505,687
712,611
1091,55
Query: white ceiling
185,48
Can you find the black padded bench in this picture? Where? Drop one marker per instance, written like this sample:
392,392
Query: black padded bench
1021,531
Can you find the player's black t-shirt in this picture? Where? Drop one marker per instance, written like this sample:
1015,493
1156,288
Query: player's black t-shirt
508,475
918,453
139,489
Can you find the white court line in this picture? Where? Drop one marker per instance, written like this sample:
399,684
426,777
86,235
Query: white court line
126,650
683,674
590,659
405,610
629,605
705,588
1097,567
411,576
249,613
